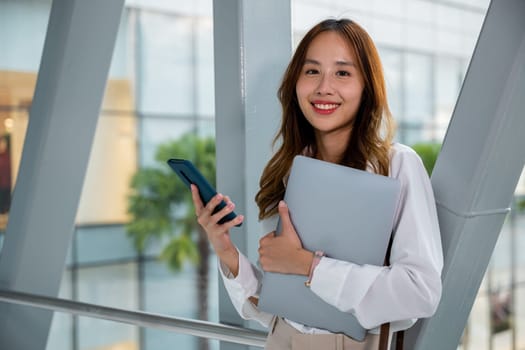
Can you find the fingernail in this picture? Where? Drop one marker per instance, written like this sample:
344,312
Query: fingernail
282,203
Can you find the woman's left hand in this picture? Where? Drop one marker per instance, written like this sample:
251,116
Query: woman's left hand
284,253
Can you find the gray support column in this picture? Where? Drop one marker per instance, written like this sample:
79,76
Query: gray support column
252,41
477,171
71,81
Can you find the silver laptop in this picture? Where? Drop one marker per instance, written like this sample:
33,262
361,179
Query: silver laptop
346,213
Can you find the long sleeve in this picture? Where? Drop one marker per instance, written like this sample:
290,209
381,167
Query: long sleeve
245,285
410,287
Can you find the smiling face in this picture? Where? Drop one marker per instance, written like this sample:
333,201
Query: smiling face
330,86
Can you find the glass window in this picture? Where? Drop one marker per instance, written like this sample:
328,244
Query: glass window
416,121
420,11
112,163
419,36
448,80
476,334
102,243
389,29
163,293
204,69
518,225
109,285
305,14
418,90
449,17
173,67
392,64
163,64
167,70
392,9
206,128
157,130
472,22
23,25
98,334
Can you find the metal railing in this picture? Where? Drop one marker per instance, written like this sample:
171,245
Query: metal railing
196,328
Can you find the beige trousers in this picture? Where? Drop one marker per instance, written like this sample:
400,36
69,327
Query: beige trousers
282,336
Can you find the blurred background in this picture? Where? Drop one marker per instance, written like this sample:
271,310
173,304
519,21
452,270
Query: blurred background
135,244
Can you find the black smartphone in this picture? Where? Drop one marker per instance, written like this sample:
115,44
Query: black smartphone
189,174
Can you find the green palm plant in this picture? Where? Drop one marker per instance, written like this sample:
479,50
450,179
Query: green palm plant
160,206
428,151
521,204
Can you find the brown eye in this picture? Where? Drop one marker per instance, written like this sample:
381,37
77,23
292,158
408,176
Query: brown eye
343,73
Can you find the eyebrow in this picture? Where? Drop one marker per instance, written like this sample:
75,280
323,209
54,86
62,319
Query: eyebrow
339,63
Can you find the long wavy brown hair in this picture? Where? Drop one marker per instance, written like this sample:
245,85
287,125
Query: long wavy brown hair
372,129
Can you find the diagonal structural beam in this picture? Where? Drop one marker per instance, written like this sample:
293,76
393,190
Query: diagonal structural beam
72,77
477,171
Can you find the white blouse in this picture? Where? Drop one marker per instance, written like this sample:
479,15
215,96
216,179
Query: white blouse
408,289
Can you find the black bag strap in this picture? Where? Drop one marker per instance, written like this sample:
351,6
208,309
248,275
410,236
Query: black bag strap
385,327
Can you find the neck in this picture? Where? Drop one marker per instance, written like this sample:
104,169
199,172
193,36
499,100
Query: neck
331,148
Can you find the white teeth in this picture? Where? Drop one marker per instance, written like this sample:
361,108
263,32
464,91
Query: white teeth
325,106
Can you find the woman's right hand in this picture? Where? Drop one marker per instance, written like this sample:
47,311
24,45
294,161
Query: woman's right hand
218,234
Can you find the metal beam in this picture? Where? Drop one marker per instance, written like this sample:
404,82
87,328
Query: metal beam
73,73
249,62
477,171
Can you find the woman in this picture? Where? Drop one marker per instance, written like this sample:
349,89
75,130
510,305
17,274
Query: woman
334,105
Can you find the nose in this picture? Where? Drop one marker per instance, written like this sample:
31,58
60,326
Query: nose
325,85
